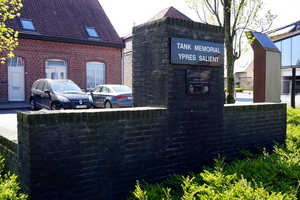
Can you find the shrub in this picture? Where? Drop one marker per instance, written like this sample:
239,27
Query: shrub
9,187
238,89
212,183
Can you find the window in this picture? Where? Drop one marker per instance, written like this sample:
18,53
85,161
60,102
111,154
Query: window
40,86
290,51
296,50
97,89
35,84
56,69
46,86
286,46
15,62
95,74
105,90
27,24
91,31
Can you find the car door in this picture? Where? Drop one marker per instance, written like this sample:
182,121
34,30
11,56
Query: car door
102,96
105,94
96,95
37,94
45,96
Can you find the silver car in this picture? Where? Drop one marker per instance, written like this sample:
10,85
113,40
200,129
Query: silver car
112,96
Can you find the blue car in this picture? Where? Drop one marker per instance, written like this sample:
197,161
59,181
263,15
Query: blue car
112,96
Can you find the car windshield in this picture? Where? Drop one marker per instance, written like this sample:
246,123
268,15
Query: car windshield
120,89
65,87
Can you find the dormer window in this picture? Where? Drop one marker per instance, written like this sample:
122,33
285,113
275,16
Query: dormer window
91,31
27,24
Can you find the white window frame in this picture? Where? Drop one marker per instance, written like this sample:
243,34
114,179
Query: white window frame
96,68
56,67
15,62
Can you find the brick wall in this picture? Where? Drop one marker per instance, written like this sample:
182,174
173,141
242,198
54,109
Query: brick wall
128,62
251,126
158,82
3,84
99,154
36,52
92,154
9,150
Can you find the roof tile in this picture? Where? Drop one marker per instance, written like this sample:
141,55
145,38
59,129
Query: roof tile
67,19
169,12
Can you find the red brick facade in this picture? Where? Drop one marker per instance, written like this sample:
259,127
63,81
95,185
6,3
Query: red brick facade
3,84
36,52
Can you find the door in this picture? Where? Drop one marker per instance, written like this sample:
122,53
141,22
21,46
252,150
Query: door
16,84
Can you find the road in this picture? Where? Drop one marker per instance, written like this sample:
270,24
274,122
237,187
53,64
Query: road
8,119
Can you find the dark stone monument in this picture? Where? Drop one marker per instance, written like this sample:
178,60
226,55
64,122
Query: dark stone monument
179,64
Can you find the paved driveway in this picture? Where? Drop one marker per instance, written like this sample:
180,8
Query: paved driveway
8,124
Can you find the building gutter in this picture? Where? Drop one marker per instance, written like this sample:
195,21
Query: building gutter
283,36
93,42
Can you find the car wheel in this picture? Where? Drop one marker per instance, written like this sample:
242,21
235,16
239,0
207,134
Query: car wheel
53,107
108,104
32,105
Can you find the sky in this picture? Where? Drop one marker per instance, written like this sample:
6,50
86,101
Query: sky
124,14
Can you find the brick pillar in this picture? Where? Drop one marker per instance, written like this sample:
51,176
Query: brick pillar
160,81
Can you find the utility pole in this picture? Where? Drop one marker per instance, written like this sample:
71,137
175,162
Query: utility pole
293,89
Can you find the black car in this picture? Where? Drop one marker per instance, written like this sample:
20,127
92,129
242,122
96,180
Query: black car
58,95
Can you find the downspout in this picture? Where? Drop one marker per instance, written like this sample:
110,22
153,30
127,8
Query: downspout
122,66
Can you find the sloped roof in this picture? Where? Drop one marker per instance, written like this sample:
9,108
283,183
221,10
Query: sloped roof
285,31
242,68
169,12
66,19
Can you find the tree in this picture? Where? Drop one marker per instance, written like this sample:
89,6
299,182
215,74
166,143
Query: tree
237,17
8,37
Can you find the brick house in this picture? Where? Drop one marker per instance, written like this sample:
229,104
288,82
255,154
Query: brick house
61,39
244,75
127,57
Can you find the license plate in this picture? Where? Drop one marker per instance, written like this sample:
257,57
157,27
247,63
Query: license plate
129,97
81,106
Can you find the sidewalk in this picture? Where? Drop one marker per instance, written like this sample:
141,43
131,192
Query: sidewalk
247,97
14,105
